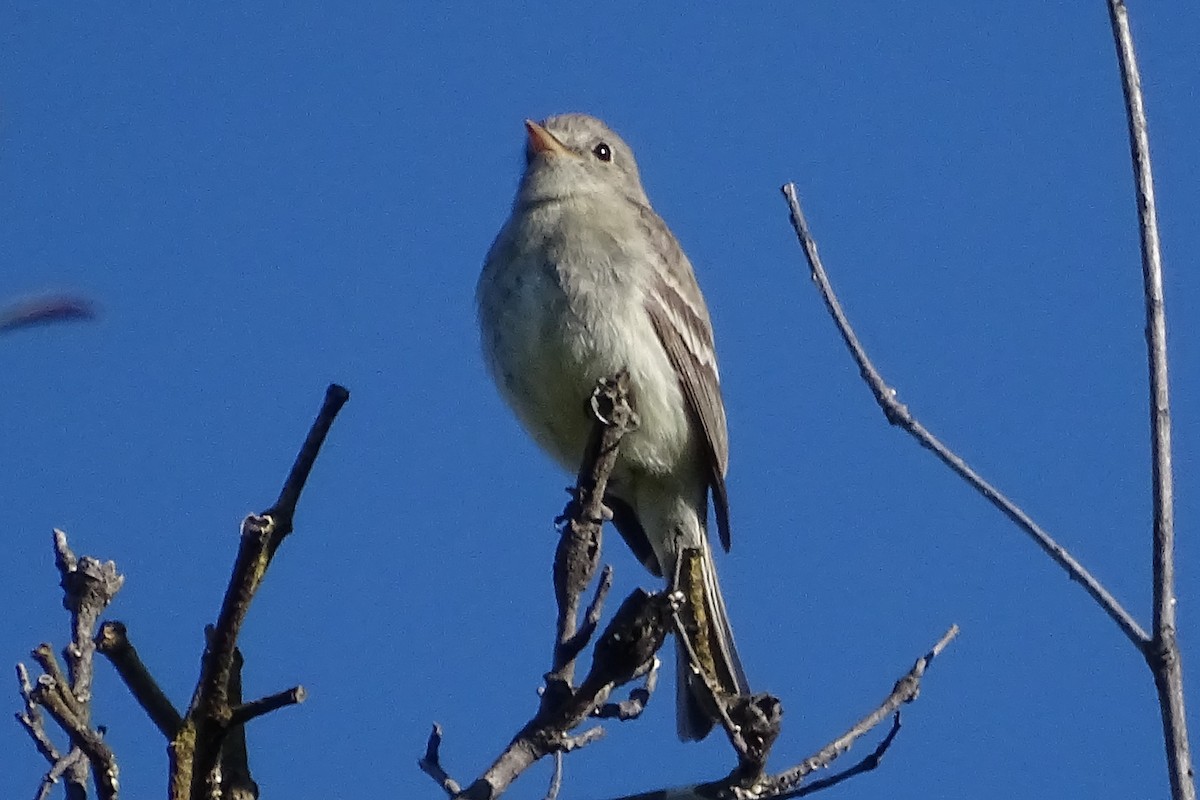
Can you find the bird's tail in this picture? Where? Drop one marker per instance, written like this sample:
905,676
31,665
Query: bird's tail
711,640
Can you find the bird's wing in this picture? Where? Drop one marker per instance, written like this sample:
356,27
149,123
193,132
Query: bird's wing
680,317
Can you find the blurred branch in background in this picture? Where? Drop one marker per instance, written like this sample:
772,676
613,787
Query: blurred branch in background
44,309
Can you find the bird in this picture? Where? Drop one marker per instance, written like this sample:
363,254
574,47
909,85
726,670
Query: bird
584,280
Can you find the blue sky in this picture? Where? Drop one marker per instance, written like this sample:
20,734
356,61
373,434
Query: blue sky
264,199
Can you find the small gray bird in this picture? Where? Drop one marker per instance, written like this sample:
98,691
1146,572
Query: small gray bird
584,280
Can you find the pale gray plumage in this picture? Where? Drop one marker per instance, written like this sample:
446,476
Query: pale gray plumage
583,280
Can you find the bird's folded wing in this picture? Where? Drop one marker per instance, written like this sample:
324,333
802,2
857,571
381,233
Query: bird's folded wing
680,319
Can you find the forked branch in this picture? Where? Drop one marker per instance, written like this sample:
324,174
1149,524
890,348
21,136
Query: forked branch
1160,649
1162,652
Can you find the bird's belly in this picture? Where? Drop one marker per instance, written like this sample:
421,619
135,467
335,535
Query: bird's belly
549,354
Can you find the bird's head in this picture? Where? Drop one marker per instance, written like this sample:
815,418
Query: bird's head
575,154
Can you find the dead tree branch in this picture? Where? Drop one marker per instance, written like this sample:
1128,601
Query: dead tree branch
88,585
195,749
897,414
625,650
790,782
1162,652
207,744
113,643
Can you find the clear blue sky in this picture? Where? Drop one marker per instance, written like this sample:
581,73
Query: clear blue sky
261,200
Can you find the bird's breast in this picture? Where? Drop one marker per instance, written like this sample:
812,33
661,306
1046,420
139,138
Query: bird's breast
561,303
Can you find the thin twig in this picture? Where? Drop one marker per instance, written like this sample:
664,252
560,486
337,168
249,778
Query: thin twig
639,697
716,699
905,691
869,762
284,508
31,719
567,651
431,763
55,773
1162,653
51,695
555,778
787,784
43,654
265,705
898,414
633,637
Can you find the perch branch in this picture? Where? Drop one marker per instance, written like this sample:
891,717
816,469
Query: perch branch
898,414
578,552
636,632
622,653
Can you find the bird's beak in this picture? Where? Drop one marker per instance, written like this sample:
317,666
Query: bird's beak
543,141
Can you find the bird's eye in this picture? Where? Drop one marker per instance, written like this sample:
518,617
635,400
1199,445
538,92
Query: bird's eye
602,152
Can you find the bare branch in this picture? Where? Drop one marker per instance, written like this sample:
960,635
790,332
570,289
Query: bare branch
868,763
787,784
578,552
636,632
232,779
32,721
621,653
51,695
55,773
43,654
265,705
431,763
905,691
88,587
113,642
555,778
196,746
567,651
639,697
898,414
1162,653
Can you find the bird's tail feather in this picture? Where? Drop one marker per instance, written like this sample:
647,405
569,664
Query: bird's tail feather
711,640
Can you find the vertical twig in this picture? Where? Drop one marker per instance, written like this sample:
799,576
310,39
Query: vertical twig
1162,653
